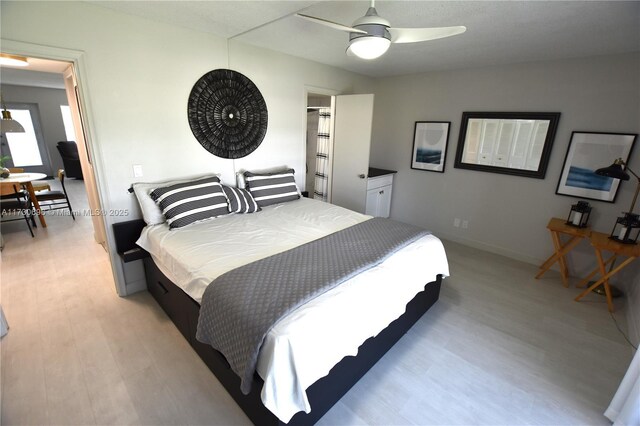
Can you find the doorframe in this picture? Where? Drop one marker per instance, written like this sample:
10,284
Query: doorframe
325,92
77,59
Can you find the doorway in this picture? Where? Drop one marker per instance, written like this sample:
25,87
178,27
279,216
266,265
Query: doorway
43,98
319,147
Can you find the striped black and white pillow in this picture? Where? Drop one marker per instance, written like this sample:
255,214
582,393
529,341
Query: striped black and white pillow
240,200
272,188
185,203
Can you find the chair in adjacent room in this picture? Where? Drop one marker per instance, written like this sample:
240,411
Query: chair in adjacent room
55,200
70,158
37,185
13,205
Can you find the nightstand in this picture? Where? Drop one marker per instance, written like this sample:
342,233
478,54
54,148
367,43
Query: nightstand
559,227
601,242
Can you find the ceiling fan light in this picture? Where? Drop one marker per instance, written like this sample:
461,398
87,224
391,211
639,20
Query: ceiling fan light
369,47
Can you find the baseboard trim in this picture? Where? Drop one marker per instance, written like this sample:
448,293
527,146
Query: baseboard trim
491,249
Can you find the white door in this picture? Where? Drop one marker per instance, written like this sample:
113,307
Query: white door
372,202
474,129
520,146
99,232
503,149
488,141
351,143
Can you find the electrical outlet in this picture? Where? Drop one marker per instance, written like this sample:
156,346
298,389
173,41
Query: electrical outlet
456,222
137,170
465,224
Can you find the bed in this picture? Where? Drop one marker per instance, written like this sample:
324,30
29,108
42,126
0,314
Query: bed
309,359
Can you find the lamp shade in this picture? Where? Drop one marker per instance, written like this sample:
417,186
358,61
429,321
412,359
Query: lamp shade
614,171
369,47
9,125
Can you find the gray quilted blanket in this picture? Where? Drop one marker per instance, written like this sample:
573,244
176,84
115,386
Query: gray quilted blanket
240,307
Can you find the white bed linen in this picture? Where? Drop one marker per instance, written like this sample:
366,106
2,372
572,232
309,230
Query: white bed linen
305,345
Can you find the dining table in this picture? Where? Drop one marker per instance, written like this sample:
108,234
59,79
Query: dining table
26,179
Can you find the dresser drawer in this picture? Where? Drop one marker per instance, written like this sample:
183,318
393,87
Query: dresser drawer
163,290
379,181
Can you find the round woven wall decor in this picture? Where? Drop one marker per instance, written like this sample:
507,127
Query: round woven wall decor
227,114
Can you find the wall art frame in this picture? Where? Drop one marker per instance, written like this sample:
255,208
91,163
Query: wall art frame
227,114
587,152
430,140
513,143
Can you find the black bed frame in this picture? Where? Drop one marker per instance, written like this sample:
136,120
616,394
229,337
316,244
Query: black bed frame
323,394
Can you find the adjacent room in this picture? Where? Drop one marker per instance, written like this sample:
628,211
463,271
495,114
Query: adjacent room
331,212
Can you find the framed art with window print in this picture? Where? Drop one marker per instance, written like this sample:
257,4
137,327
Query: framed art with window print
430,139
588,152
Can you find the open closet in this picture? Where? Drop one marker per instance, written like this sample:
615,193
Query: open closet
337,150
319,142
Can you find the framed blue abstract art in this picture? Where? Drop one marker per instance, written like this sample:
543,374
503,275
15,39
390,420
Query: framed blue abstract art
430,140
587,152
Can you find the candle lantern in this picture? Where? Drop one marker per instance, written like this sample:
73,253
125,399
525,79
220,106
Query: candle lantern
579,214
626,229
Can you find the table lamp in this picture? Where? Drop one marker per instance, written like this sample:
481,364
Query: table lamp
627,227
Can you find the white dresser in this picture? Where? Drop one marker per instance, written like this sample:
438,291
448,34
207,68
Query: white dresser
379,189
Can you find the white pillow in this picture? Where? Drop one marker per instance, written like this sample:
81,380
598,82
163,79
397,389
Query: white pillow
240,182
151,213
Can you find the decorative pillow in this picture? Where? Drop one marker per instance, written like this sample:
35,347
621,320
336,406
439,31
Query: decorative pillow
240,200
186,203
272,188
150,211
240,180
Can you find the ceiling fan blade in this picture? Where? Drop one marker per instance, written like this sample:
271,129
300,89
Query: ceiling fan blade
330,24
413,35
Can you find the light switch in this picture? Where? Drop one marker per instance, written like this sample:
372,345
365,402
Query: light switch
137,170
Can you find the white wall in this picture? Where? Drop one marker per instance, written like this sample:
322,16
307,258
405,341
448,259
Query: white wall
138,76
48,101
507,214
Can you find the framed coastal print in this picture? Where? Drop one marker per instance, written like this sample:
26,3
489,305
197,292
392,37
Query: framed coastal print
588,152
430,140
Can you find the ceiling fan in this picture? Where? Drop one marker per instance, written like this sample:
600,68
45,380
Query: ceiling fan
371,35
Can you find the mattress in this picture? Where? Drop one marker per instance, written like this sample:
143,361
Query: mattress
304,346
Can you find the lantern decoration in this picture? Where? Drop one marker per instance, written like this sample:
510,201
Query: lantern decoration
626,229
579,214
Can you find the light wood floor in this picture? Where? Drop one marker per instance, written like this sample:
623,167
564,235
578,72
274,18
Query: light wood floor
498,348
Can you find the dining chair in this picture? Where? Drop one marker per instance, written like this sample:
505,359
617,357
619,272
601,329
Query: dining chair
12,204
11,195
37,186
55,200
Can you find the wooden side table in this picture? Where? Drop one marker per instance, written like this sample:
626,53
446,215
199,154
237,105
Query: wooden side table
557,227
600,243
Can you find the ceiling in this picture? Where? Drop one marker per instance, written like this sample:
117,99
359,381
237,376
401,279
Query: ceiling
498,32
39,73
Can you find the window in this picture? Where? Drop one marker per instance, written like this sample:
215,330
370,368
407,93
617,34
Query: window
68,122
24,146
